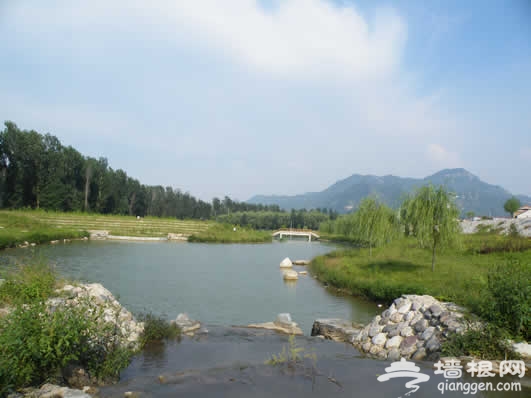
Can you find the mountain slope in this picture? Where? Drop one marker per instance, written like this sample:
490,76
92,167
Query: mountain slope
472,193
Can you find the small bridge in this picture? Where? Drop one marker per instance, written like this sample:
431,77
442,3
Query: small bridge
295,232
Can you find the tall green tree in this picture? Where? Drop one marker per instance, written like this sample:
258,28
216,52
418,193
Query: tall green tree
433,217
376,223
511,205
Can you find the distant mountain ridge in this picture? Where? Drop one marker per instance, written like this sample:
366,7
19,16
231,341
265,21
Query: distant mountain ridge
344,195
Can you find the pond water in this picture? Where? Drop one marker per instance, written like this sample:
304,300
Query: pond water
222,286
233,284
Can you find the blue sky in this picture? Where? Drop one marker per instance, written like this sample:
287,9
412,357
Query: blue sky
245,97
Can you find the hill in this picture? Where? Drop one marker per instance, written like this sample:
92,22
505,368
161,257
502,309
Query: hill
472,194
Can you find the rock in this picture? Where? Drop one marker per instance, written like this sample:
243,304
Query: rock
433,344
33,244
436,310
375,350
54,391
336,329
397,317
387,313
405,307
374,330
185,324
277,328
286,263
407,331
393,342
303,272
393,355
409,341
284,319
75,376
426,335
409,316
366,347
379,339
421,325
301,262
419,355
290,275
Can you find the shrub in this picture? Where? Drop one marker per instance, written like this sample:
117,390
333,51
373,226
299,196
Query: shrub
488,342
508,299
156,329
36,344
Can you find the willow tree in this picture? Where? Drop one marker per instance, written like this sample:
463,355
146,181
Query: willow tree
433,218
376,223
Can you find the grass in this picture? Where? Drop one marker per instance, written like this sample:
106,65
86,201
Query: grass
461,275
224,233
19,227
38,226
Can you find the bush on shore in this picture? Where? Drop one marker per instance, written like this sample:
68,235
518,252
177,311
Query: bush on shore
38,342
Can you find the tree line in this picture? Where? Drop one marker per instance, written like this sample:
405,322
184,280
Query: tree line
429,215
37,171
274,220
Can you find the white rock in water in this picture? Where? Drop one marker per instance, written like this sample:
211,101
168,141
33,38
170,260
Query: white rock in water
291,275
286,263
284,318
182,317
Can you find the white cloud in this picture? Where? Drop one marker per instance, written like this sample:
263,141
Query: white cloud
297,38
441,156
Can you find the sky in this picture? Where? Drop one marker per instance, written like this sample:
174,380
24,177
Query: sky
245,97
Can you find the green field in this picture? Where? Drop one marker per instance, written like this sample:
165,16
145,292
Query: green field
33,226
19,226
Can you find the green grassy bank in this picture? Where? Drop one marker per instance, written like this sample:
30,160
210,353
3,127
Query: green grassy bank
18,227
34,226
225,233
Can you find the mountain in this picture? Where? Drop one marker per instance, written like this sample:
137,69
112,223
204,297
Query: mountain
472,193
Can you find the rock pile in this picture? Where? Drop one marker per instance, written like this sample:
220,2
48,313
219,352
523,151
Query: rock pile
412,327
113,312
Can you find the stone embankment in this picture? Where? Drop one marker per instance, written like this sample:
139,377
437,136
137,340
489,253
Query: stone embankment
105,235
501,225
412,327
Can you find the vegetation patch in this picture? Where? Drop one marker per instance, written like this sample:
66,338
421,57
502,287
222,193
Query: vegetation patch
38,342
225,233
157,329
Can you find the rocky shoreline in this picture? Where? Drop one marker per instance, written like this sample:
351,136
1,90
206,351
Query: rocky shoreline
413,327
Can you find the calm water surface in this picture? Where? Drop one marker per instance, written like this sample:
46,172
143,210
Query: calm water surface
234,284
